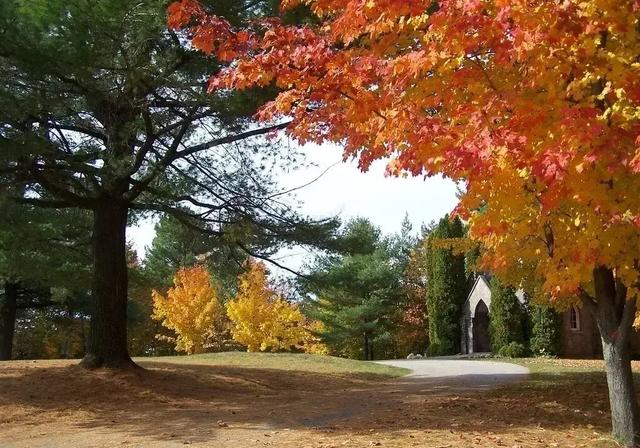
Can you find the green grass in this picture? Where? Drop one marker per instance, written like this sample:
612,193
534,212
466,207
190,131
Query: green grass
286,361
558,365
563,375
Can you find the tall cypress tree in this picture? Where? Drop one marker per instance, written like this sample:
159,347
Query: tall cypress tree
446,289
507,316
545,331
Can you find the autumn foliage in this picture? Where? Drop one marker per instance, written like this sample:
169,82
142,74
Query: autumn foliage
191,309
533,104
263,320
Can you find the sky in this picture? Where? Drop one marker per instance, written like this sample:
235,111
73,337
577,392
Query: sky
348,192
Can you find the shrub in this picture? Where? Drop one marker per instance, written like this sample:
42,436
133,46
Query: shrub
434,349
513,350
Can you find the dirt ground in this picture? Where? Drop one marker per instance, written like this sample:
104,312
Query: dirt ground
56,404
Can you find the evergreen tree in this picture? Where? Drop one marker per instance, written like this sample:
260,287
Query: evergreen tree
177,245
507,316
545,331
446,288
45,262
353,292
104,109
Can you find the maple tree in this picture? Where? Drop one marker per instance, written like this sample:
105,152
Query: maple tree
192,309
262,320
411,322
533,104
312,342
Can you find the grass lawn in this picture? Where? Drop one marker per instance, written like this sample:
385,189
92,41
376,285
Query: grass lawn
328,365
238,400
574,390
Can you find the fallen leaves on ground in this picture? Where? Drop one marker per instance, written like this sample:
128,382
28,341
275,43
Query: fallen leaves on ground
60,405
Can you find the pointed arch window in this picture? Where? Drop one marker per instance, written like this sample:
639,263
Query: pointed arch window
574,319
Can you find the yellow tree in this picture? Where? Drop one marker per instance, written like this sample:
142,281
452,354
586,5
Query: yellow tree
262,320
191,309
313,343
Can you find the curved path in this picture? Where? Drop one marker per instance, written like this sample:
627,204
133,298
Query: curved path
429,377
447,373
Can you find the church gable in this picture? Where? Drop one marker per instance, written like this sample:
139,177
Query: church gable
475,318
481,291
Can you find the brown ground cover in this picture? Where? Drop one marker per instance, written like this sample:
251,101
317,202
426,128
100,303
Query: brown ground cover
56,404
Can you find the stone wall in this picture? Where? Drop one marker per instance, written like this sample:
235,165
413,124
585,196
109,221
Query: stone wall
583,342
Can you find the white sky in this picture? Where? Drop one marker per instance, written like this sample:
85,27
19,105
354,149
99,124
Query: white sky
348,192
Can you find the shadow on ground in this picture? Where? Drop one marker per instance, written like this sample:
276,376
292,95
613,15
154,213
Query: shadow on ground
201,403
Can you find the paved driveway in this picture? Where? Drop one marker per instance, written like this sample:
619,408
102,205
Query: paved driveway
446,373
431,377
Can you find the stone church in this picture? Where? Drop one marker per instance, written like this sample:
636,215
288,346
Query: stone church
579,333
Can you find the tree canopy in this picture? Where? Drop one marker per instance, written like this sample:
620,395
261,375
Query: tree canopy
355,291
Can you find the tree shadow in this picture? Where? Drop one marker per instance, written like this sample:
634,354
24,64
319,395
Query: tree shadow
201,402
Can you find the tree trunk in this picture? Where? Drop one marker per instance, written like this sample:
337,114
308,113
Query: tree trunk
614,314
366,347
107,342
83,336
622,396
8,306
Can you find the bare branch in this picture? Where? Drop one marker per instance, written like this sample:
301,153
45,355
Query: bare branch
229,139
270,260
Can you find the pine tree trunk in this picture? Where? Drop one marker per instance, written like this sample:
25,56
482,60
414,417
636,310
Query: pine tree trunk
107,342
366,347
8,306
614,315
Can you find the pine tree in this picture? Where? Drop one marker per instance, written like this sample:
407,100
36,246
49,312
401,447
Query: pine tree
102,108
178,245
45,261
354,292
